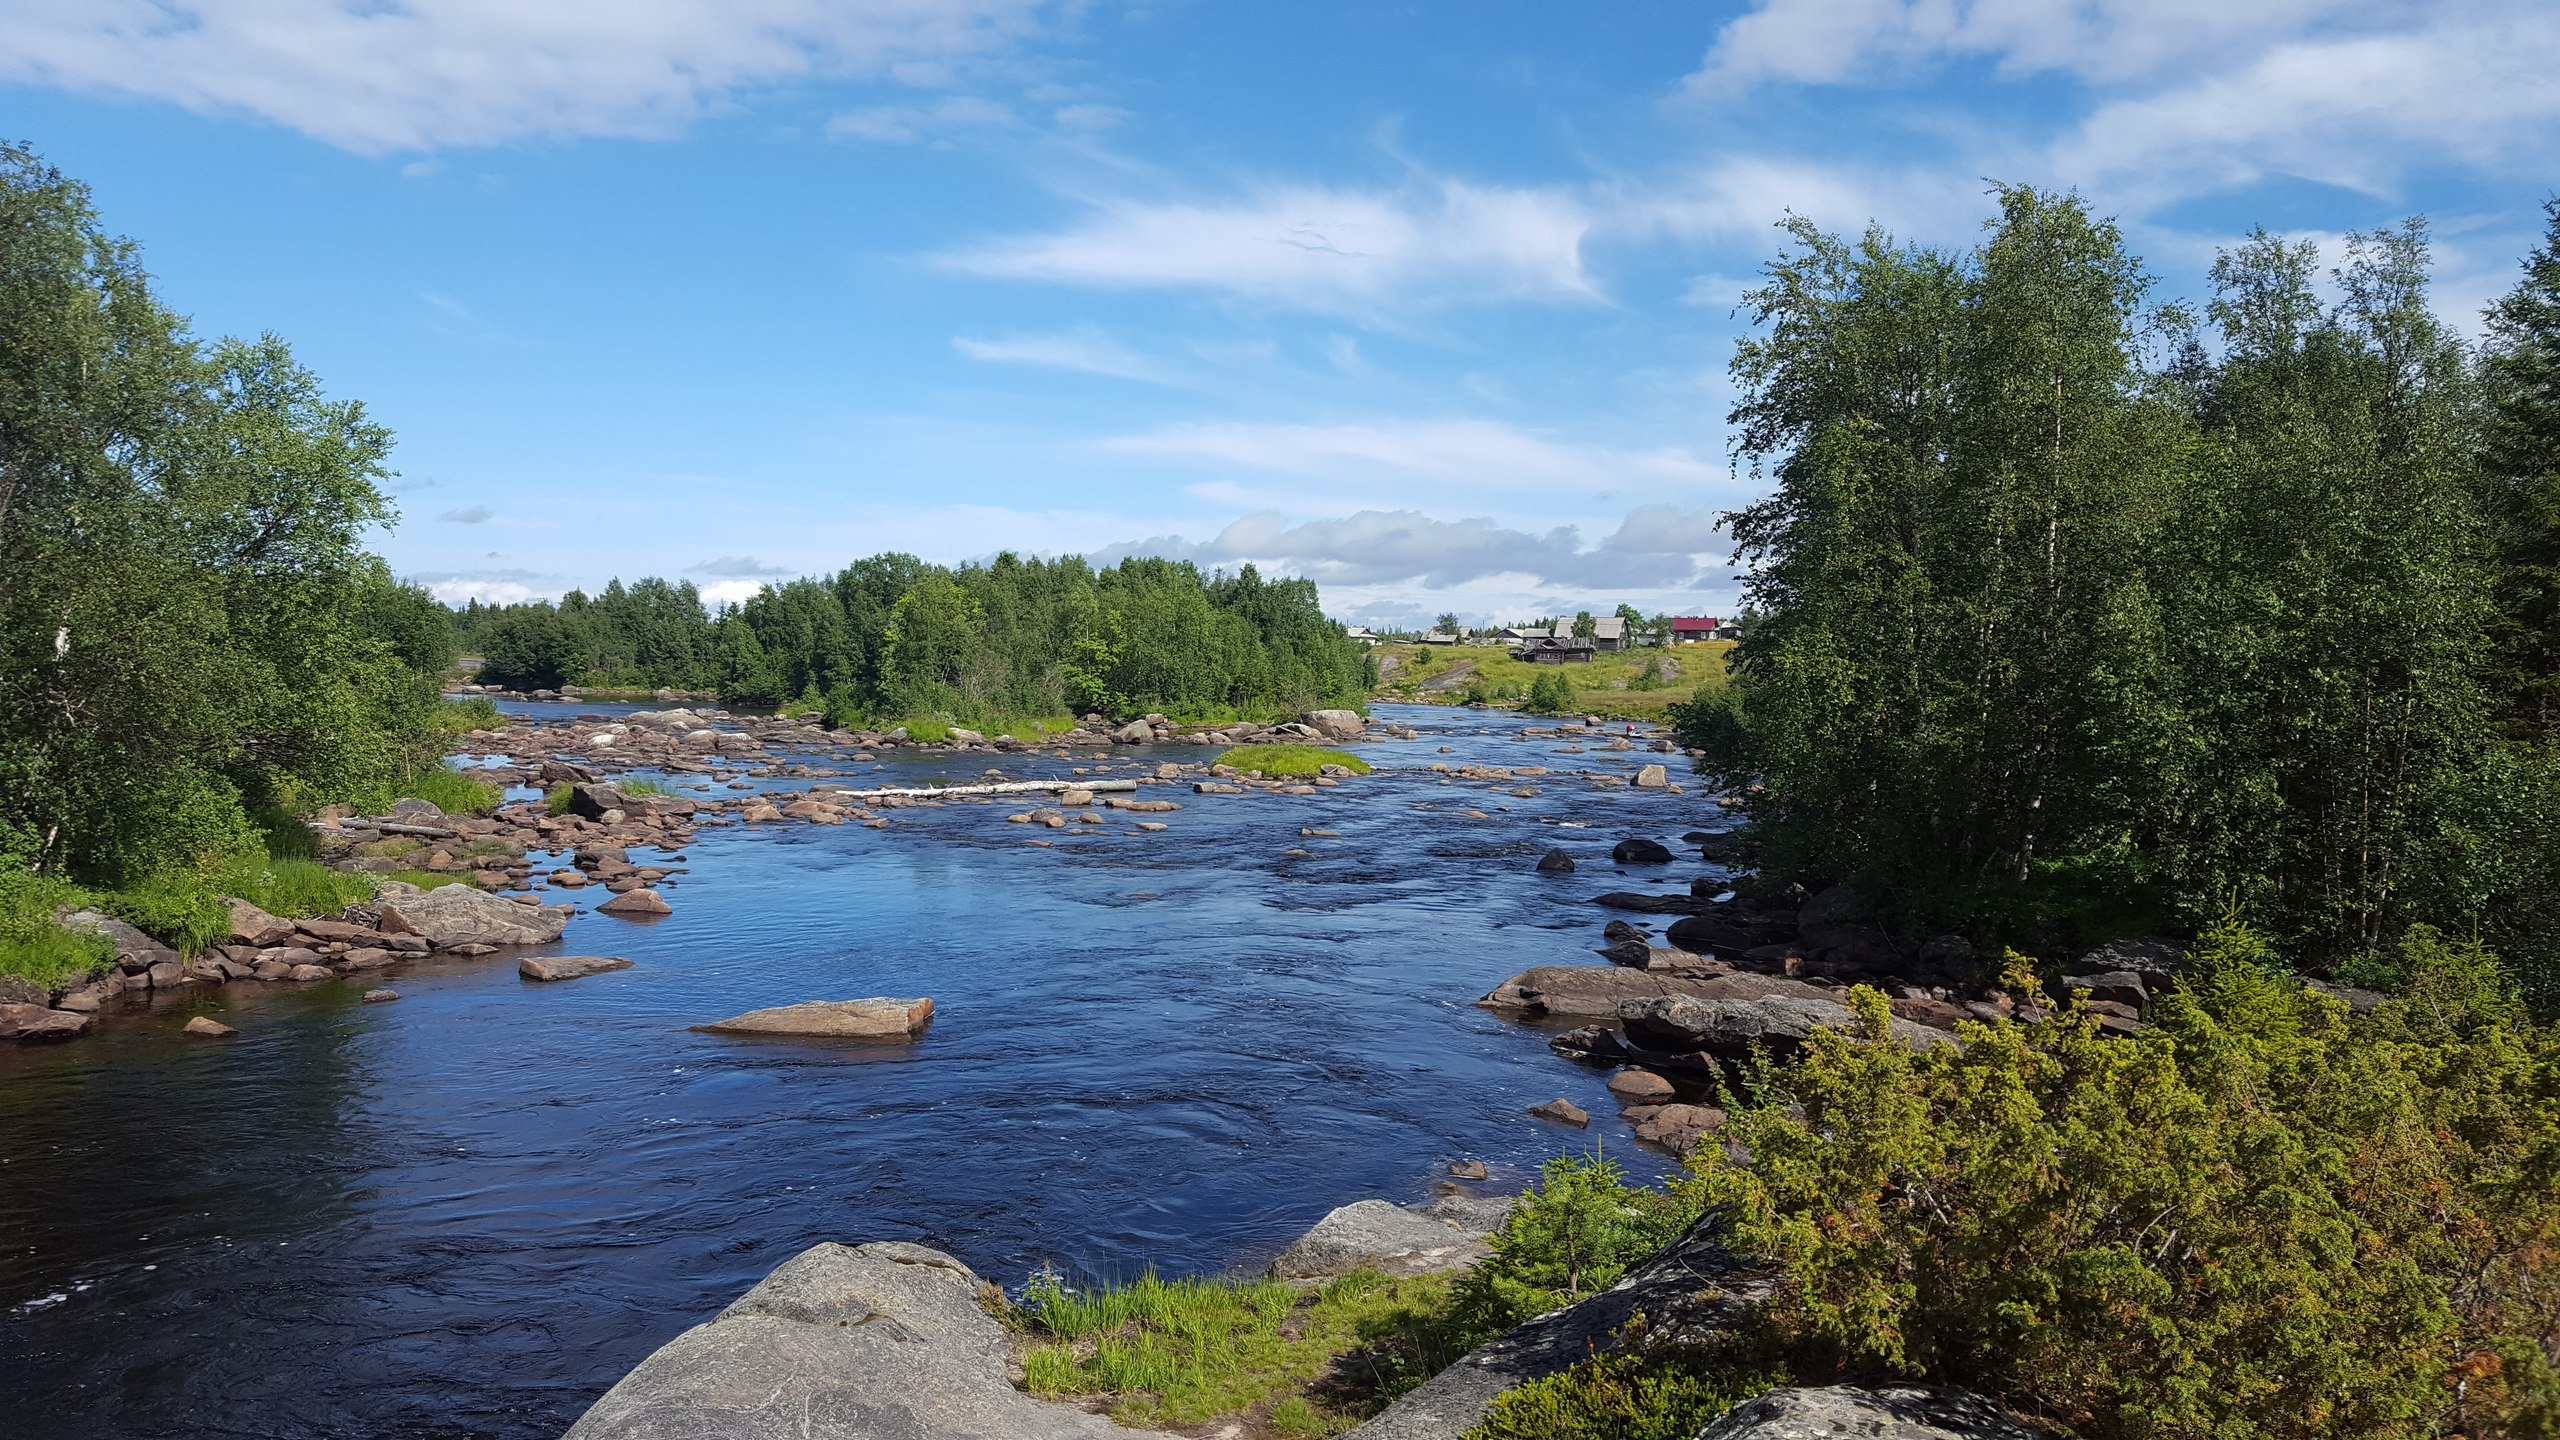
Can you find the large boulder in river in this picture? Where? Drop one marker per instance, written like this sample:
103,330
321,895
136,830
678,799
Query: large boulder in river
1555,862
136,953
877,1018
1447,1234
1641,852
594,800
1581,991
1903,1412
1136,732
452,915
253,926
862,1342
1336,724
34,1024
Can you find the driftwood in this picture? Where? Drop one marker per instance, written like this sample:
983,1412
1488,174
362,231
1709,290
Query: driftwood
1005,787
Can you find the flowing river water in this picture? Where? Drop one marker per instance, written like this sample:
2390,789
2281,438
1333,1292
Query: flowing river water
467,1213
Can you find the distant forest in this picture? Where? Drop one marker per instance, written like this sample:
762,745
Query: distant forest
892,636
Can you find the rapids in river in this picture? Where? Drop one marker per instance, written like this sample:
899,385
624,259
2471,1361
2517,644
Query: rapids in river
467,1213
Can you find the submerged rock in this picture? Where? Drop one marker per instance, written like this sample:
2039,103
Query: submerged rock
203,1025
34,1024
877,1018
860,1342
1555,862
568,967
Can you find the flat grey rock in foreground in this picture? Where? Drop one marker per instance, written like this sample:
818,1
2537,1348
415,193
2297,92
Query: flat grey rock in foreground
885,1341
877,1018
1376,1235
1898,1412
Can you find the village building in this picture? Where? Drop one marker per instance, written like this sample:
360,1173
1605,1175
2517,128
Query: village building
1565,649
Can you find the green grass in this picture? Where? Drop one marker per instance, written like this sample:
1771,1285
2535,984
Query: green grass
1614,683
641,787
1291,760
456,717
452,791
557,798
31,945
1181,1351
427,879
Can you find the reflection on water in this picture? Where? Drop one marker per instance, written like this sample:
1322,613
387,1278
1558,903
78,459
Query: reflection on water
469,1212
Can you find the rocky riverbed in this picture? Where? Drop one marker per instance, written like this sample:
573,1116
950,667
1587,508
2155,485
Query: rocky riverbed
472,1210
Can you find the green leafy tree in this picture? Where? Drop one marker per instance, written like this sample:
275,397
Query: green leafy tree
2521,469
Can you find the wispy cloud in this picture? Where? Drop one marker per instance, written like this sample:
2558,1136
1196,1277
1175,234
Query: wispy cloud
1407,547
1338,251
736,566
1475,453
376,78
1087,351
468,515
906,124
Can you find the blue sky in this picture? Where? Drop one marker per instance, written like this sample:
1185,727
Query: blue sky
1431,302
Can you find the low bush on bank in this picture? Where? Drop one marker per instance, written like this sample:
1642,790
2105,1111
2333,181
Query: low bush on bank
458,717
31,945
455,792
1291,760
2264,1217
1180,1351
183,908
642,787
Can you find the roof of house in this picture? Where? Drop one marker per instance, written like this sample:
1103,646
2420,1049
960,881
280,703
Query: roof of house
1609,627
1685,623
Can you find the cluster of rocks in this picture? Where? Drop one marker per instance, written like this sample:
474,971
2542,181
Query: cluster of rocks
403,923
597,831
1734,975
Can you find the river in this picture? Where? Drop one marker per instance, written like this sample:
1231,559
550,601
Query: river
468,1212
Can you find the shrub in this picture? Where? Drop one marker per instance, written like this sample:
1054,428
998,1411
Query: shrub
458,717
31,945
1617,1396
1574,1233
1550,693
2264,1217
557,799
1291,760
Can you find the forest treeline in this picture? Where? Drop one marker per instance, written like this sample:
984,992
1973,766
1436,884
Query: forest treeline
193,639
2083,614
892,637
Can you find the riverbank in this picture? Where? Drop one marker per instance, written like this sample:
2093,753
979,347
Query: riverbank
1639,684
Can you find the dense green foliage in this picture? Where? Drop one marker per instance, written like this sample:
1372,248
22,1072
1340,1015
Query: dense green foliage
190,630
2067,627
2264,1218
893,636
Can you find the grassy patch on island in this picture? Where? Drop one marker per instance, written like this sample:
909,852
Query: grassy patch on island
1291,760
1637,684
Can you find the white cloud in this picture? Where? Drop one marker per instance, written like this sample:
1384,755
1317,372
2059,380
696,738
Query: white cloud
2361,113
1084,350
1390,547
378,77
468,515
1831,41
729,592
1089,119
1475,453
905,124
1670,530
458,590
735,567
1336,251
